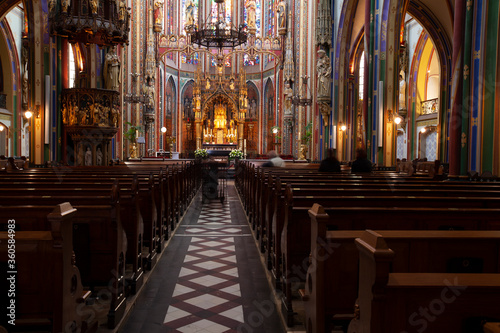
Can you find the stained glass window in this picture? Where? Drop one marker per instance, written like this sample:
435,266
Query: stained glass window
193,61
258,14
226,13
227,62
270,8
171,28
248,62
170,14
361,75
72,67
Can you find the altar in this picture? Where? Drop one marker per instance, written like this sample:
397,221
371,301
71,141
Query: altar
214,149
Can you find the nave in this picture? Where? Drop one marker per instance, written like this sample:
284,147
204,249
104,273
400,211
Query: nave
210,277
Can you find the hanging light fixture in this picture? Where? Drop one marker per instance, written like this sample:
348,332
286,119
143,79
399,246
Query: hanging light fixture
216,33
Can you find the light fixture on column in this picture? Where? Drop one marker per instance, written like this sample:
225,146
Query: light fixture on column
163,129
343,127
28,114
2,128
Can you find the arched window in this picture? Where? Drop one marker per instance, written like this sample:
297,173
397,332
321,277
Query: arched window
270,12
170,14
361,75
72,67
227,12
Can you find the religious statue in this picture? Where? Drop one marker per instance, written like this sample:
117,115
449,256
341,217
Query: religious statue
158,14
187,107
282,15
324,70
112,70
98,156
288,92
88,157
253,109
122,10
94,4
52,5
251,14
402,91
65,5
104,116
115,113
189,13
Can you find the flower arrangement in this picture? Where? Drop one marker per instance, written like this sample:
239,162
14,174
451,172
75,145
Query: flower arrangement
201,153
236,153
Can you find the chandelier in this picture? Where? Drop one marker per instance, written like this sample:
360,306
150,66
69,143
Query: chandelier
132,97
217,33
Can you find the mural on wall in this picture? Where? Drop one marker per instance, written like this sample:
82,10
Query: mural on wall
188,135
187,102
170,98
251,129
253,102
268,119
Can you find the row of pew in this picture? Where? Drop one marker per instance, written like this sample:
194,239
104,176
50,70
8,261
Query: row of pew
111,222
319,263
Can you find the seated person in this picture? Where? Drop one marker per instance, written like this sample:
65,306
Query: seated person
330,163
361,164
274,160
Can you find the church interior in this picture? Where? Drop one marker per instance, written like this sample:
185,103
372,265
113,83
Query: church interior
171,102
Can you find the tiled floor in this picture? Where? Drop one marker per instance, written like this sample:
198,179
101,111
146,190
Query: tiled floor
210,278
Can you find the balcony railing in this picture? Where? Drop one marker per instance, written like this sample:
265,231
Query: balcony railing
430,106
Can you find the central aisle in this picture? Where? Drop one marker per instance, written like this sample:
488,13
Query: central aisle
210,278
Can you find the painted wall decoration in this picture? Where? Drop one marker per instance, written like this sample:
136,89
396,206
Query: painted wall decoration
268,118
253,102
170,98
187,102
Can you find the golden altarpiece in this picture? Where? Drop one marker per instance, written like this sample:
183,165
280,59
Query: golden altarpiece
220,104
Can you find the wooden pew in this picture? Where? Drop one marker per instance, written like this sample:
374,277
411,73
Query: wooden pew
152,206
46,283
434,302
99,239
133,201
331,282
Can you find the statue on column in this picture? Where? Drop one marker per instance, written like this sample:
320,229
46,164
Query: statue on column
158,15
251,6
282,17
189,13
112,70
402,91
324,71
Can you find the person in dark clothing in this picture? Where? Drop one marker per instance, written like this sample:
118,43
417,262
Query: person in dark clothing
330,163
361,164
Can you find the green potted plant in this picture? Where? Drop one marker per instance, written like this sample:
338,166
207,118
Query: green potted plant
131,135
306,140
